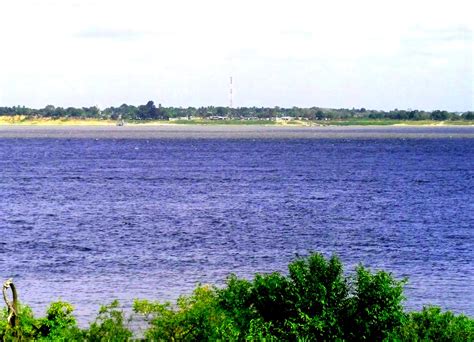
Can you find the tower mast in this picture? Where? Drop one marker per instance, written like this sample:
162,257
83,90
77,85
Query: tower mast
231,95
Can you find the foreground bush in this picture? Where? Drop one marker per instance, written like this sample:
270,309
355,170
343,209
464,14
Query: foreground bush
58,325
314,302
433,325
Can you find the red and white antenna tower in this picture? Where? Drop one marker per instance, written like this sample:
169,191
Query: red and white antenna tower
230,88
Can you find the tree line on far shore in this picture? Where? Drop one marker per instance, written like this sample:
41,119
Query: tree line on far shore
150,111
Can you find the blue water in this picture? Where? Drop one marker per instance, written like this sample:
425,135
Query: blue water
89,220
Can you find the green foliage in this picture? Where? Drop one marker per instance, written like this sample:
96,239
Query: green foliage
240,115
310,303
320,294
272,297
59,324
261,330
109,325
314,302
432,325
230,122
26,330
236,300
376,307
196,317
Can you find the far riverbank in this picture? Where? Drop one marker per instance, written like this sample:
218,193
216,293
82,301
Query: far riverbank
19,120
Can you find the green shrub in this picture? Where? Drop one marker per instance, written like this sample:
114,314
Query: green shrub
314,302
260,330
272,298
375,309
59,324
196,317
27,328
319,291
109,325
432,325
235,299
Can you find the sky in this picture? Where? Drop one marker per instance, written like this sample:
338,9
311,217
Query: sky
333,54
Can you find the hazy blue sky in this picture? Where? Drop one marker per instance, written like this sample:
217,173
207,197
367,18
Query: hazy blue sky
373,54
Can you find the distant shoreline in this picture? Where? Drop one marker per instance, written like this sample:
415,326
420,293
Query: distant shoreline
67,122
170,131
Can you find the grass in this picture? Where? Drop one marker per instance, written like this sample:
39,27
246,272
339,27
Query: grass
389,122
362,122
223,122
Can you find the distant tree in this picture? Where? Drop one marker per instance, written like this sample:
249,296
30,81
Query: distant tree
48,111
91,112
128,112
163,115
75,112
150,112
221,111
147,112
59,112
439,115
376,115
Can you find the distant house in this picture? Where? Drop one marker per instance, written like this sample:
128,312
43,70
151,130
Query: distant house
286,118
